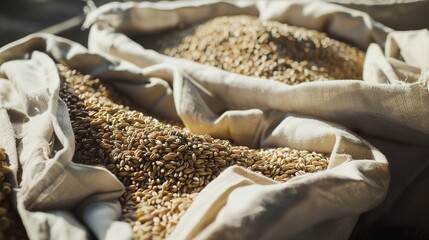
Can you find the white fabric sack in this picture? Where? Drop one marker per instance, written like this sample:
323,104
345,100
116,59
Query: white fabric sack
388,108
201,96
49,212
56,198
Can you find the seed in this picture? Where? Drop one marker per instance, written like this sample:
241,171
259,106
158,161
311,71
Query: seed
180,169
153,156
159,163
169,166
182,148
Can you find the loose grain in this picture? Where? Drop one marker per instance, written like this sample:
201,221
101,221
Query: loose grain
162,166
10,223
265,49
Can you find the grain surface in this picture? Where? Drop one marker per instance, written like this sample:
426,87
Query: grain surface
162,166
265,49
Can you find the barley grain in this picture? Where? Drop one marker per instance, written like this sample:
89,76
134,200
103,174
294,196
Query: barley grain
162,166
265,49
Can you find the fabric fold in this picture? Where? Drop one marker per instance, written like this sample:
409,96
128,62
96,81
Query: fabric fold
262,113
52,188
59,199
254,206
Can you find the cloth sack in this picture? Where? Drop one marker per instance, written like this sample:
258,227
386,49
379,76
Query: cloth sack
56,198
52,207
387,108
53,215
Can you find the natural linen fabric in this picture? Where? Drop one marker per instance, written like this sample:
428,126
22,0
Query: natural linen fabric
55,197
358,171
58,199
388,108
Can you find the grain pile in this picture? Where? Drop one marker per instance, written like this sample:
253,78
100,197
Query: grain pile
10,224
162,166
270,50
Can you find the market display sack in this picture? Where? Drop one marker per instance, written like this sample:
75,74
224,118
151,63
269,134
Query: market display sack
386,108
35,57
108,133
106,124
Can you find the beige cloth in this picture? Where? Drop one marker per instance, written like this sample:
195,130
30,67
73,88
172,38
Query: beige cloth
354,26
55,197
388,107
61,200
